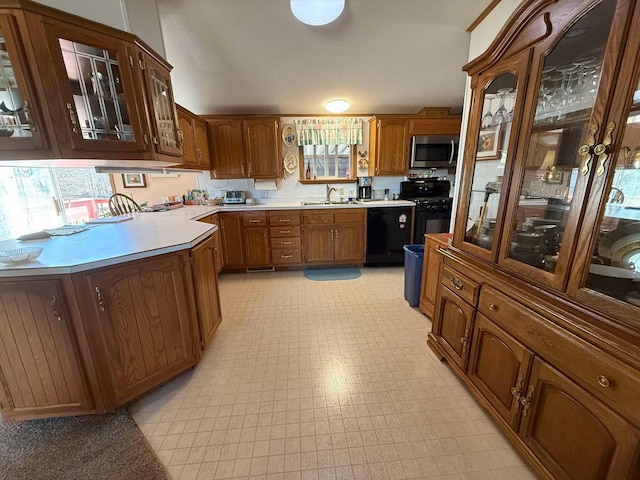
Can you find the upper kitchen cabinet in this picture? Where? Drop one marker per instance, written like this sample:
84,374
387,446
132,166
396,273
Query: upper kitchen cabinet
195,143
244,147
388,146
74,92
552,169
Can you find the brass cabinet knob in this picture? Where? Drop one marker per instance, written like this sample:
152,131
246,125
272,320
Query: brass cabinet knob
603,381
493,307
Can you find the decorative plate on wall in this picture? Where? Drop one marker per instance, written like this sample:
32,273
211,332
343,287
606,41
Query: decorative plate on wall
289,134
290,162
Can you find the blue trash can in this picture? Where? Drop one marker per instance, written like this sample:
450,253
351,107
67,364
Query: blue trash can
413,255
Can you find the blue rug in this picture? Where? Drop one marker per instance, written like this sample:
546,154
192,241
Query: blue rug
336,273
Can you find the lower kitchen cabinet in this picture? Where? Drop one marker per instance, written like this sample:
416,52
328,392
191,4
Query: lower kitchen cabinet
41,372
205,282
498,367
139,318
318,243
453,326
573,434
430,273
333,236
349,243
231,232
256,246
217,240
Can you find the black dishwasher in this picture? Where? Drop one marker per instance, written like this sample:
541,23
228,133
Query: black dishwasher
388,230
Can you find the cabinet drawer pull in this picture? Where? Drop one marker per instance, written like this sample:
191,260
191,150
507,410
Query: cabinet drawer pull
100,299
72,118
526,402
493,307
285,231
517,390
254,221
54,308
603,381
286,243
285,220
457,283
286,256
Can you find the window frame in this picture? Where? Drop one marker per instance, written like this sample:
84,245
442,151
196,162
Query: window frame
352,172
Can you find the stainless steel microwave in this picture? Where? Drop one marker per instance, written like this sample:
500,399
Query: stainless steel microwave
434,151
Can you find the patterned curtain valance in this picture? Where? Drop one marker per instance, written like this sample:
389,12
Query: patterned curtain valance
329,131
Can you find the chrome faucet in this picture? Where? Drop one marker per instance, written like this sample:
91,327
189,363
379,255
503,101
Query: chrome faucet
329,191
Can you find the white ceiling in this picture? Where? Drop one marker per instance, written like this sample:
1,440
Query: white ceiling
253,56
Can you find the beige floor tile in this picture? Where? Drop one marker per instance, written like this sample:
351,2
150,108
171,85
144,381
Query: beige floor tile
322,380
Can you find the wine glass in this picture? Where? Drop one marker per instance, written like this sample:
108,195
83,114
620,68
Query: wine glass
487,118
502,113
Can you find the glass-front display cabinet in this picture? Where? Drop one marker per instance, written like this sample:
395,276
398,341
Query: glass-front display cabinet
490,152
553,177
20,119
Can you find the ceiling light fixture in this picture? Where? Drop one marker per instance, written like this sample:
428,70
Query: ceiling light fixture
337,106
317,12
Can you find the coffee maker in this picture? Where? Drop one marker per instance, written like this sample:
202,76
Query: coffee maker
364,188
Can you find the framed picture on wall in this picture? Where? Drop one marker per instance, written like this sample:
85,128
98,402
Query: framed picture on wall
134,180
488,144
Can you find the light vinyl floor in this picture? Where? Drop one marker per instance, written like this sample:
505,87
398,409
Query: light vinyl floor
322,381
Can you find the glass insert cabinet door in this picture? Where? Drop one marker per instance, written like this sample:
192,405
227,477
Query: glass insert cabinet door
552,179
19,117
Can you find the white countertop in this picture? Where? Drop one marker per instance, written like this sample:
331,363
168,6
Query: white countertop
146,235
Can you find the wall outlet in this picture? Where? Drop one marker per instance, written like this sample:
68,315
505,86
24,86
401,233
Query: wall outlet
265,193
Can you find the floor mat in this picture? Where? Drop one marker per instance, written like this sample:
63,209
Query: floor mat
94,447
335,273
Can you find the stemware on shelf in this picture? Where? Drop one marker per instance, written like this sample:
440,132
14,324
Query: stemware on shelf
487,118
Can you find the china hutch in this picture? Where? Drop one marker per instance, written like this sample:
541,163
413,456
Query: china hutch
538,300
75,91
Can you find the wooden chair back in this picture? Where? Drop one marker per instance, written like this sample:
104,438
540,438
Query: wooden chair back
120,204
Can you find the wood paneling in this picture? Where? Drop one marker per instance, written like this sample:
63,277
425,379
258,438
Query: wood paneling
41,370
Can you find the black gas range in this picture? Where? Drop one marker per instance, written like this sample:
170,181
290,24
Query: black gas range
433,205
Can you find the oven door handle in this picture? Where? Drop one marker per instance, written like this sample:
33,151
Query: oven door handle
453,150
413,150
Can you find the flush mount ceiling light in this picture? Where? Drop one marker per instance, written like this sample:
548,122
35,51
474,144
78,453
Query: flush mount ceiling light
337,106
317,12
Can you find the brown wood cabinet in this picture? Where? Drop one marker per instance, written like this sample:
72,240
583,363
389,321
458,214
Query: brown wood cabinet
217,239
205,281
245,147
41,369
139,314
103,114
256,246
286,244
431,272
453,328
333,236
556,339
195,142
388,146
449,125
231,233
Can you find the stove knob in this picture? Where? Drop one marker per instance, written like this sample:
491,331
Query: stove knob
445,207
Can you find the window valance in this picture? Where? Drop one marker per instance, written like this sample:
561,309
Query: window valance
329,131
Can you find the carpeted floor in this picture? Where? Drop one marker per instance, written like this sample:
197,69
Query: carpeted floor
89,447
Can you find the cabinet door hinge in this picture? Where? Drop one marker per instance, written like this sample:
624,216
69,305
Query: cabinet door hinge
180,263
145,139
141,64
130,61
155,140
193,349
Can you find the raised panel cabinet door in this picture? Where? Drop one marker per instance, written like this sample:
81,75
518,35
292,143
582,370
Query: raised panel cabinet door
498,366
231,233
455,317
40,367
349,243
144,321
91,89
574,435
166,134
227,150
261,148
318,243
21,121
202,143
393,145
189,149
256,246
205,280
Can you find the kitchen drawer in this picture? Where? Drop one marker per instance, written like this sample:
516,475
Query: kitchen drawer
285,231
254,219
350,215
284,242
284,218
283,256
317,216
612,381
460,284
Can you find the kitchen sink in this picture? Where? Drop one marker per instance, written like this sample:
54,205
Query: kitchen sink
337,202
